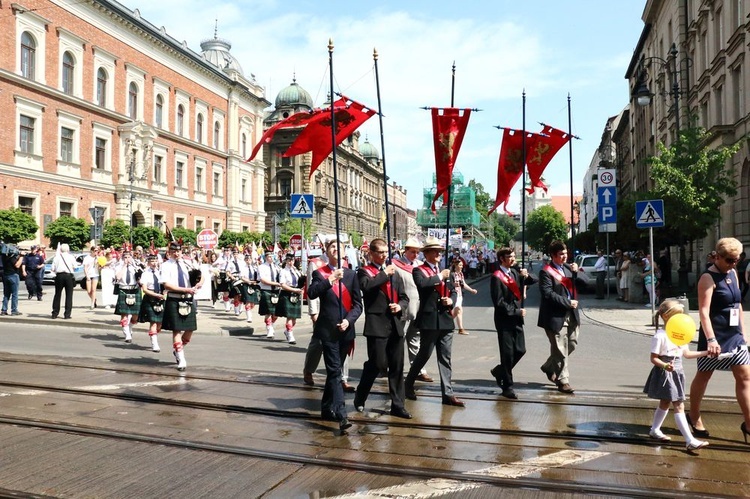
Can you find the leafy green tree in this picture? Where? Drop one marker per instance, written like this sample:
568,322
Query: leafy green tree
545,225
290,226
142,237
230,238
694,180
499,226
76,232
356,238
115,233
188,236
16,226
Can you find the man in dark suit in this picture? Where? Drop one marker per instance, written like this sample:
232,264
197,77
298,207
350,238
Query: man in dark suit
436,298
340,307
384,299
507,289
558,314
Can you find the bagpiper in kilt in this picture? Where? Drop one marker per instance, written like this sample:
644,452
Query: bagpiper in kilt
290,297
224,278
269,297
129,293
152,305
247,292
179,309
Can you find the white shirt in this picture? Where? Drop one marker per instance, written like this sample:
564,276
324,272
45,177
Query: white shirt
63,263
169,273
661,345
90,266
267,272
148,278
601,264
288,276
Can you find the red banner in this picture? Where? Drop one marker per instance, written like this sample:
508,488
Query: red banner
448,128
509,166
544,149
295,120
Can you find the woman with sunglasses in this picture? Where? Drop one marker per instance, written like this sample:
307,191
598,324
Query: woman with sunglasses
722,334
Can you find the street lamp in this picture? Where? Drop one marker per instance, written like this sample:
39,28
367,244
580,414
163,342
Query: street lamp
643,94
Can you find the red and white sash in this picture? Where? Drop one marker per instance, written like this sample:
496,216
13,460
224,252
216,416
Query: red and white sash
509,283
560,277
372,271
427,271
345,298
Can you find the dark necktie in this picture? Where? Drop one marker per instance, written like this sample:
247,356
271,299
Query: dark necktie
128,276
157,287
180,276
236,265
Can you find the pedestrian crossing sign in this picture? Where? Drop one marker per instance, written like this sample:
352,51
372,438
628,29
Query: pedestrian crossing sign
649,213
301,206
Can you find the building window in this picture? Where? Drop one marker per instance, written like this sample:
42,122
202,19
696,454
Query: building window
199,128
101,87
158,221
243,190
159,111
180,120
244,145
179,222
100,154
133,101
217,184
66,209
26,205
178,171
286,162
68,69
28,56
199,179
27,134
217,132
66,144
285,187
198,225
217,227
157,168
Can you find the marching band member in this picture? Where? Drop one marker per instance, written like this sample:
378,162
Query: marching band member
251,294
152,304
128,305
268,274
290,297
223,281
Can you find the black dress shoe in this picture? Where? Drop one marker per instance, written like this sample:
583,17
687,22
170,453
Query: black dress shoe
347,387
495,372
400,412
344,424
54,316
508,393
328,416
454,401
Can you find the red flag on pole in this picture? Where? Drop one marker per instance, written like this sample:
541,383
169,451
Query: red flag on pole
448,128
541,153
295,120
509,166
316,136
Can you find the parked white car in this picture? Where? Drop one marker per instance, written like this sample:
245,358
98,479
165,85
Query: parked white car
586,278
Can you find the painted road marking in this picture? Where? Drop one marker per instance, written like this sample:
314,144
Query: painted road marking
438,486
103,388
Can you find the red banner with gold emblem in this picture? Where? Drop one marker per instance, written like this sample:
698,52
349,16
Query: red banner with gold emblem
448,128
510,164
544,149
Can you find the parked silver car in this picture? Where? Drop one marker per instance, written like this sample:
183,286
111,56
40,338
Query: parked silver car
586,278
78,274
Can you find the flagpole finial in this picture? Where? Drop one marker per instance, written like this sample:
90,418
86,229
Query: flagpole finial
330,45
375,53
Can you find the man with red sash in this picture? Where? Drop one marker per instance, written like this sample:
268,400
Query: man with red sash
436,298
558,314
507,289
385,300
340,307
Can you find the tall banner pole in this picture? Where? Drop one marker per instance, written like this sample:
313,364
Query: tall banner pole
450,184
385,175
572,200
335,174
523,187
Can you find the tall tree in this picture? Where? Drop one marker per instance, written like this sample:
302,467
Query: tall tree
16,226
544,225
73,231
499,226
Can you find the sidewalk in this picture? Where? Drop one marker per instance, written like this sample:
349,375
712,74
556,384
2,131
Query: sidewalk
211,320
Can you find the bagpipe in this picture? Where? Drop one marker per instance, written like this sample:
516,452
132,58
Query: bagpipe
194,275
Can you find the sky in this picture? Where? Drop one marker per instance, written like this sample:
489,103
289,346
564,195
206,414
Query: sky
549,49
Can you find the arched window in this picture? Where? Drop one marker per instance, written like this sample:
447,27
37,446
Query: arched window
133,101
28,55
180,119
101,87
159,111
199,128
244,145
217,132
68,69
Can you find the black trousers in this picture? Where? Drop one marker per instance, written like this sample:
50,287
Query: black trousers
34,282
512,343
383,354
332,405
63,282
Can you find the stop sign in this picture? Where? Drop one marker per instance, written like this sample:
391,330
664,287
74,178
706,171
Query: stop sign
296,240
207,239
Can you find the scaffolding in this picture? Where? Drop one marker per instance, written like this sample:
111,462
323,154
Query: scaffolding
464,212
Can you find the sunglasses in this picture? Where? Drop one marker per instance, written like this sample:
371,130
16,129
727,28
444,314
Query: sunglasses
730,261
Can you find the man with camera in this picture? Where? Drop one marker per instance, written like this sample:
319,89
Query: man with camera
11,259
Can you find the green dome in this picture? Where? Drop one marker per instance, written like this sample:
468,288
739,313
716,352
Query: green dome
368,150
293,96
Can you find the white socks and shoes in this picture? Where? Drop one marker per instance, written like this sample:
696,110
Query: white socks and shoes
290,337
269,331
181,362
237,311
249,314
696,444
155,344
128,334
658,435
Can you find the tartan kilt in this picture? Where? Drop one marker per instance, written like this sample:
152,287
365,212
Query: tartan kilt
148,314
173,321
123,308
266,307
286,308
222,282
244,292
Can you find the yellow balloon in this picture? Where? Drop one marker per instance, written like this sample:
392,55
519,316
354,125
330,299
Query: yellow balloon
680,329
101,261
